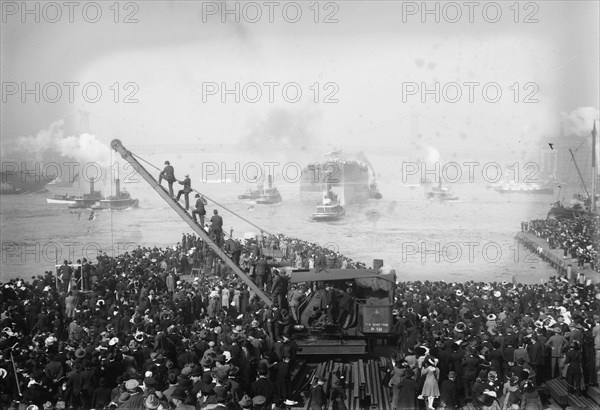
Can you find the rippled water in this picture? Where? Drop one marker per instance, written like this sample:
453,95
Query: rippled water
472,238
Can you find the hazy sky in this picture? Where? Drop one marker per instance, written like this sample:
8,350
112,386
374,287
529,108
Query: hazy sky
364,60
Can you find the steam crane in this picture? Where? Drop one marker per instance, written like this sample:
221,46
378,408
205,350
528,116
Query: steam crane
128,156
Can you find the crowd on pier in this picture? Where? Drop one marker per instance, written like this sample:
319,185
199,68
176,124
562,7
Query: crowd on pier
578,238
143,338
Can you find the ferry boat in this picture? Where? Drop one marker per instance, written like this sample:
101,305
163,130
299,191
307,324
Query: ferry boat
534,189
440,193
121,200
270,195
62,199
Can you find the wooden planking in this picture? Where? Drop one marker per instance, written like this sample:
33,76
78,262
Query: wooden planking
363,381
558,391
593,392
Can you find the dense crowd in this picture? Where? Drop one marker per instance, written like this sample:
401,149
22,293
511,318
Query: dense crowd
493,345
143,338
578,238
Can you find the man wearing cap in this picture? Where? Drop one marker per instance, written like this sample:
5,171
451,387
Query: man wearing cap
136,398
199,210
169,175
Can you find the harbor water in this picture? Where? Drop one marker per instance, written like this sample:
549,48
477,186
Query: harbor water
468,239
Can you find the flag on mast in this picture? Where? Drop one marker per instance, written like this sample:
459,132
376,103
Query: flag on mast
92,215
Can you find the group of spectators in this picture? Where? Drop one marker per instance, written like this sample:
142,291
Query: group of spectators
492,345
143,338
578,237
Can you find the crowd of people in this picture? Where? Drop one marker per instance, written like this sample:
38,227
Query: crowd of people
143,338
578,237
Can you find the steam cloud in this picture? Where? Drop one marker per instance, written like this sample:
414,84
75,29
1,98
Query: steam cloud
580,121
283,131
51,142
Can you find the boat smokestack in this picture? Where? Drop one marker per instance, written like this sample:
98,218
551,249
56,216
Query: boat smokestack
118,187
91,186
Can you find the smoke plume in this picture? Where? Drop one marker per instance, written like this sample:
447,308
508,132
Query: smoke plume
580,121
51,144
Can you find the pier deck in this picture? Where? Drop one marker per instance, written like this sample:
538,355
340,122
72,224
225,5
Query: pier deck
555,257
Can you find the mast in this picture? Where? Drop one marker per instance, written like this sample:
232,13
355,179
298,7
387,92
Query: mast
594,171
579,173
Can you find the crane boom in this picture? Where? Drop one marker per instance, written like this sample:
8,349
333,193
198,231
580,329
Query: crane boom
128,156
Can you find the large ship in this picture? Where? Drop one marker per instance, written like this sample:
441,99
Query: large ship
21,183
349,179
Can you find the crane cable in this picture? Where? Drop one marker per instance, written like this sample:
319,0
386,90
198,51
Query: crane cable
210,199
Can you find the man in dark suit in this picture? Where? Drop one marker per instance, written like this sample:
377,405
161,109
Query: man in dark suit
537,353
200,210
261,271
216,227
449,392
263,386
169,175
187,188
318,399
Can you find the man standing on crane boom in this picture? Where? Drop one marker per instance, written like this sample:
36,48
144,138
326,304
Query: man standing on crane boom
187,188
216,227
169,175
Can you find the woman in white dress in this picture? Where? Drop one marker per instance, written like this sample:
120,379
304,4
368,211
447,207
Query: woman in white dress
431,389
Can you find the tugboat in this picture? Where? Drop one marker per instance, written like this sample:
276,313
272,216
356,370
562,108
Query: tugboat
440,193
270,195
87,200
253,193
121,200
330,210
374,191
